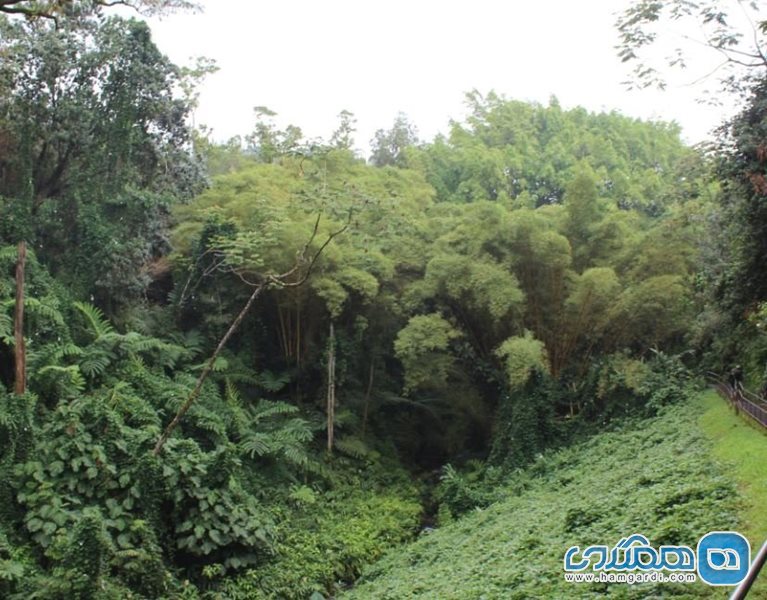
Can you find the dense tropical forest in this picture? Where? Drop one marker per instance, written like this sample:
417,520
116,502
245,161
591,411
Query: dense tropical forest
250,369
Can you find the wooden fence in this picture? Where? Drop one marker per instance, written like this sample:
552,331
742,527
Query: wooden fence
741,399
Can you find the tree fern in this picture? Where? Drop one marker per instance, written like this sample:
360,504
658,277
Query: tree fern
273,435
192,341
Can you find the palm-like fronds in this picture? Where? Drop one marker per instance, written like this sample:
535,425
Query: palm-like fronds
98,323
6,329
272,435
269,408
69,379
352,446
273,382
43,308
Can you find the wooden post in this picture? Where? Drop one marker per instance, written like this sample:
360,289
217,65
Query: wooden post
20,354
331,400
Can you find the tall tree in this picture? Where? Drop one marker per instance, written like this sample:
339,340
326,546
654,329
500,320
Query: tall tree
343,136
266,142
744,206
94,135
388,145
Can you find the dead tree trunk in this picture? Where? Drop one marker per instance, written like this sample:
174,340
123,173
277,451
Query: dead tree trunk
331,400
20,354
205,372
366,410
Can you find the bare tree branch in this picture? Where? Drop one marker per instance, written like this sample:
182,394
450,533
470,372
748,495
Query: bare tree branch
205,372
280,281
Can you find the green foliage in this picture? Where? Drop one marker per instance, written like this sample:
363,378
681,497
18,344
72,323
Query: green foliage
628,386
89,168
525,422
84,477
476,486
528,154
491,292
738,45
15,566
522,356
284,440
57,9
422,348
652,476
735,440
389,147
216,519
326,541
16,441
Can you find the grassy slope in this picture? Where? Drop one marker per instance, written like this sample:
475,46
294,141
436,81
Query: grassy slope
654,477
741,448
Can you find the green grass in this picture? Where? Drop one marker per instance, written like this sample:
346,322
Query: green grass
741,447
655,477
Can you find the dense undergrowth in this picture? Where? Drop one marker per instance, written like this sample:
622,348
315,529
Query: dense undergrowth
654,476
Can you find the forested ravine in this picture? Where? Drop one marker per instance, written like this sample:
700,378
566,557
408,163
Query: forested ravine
254,367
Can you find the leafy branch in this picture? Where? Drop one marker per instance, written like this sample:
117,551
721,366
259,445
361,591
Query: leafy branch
735,34
53,9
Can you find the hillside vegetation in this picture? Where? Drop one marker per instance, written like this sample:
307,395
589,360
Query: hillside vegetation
655,477
249,369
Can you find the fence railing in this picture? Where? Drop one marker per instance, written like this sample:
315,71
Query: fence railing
756,408
741,398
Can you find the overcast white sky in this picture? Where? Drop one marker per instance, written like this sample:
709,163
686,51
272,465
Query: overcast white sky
309,59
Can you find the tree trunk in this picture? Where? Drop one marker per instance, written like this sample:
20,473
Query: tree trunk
331,400
20,353
366,411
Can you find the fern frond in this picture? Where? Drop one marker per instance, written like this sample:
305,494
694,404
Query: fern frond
273,382
74,377
6,329
192,342
68,349
232,394
270,408
9,254
95,362
256,444
99,325
37,307
221,365
352,446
